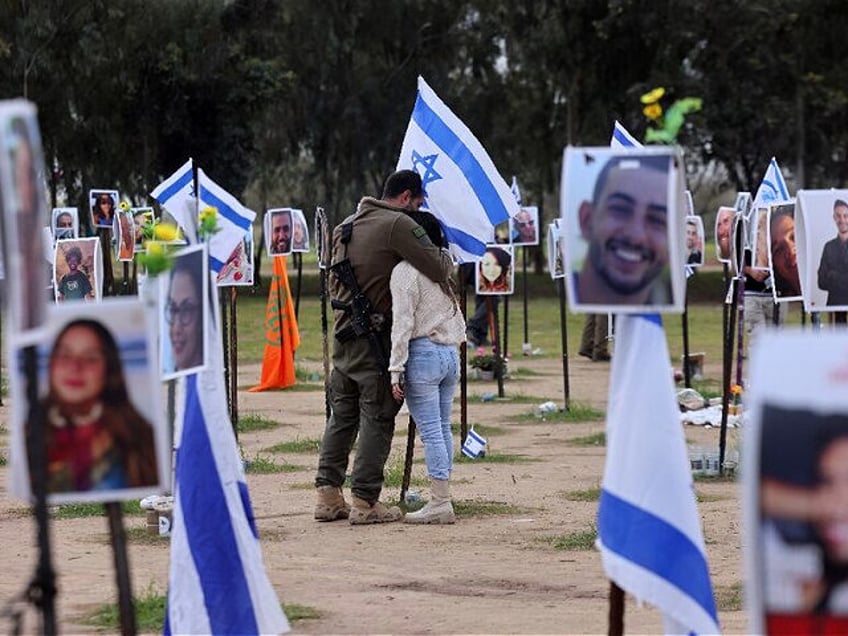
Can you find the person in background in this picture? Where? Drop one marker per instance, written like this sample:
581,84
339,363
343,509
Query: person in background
424,365
594,342
833,266
374,239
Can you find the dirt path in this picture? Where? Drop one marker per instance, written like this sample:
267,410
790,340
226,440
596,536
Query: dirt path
495,571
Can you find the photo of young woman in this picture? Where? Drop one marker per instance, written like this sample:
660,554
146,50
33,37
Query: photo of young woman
183,318
494,271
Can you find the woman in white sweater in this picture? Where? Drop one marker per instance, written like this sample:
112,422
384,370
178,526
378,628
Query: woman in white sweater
427,327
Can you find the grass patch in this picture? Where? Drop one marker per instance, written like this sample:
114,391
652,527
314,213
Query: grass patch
149,613
297,445
524,372
260,465
295,612
730,598
584,540
597,439
728,477
704,498
588,494
80,510
140,535
483,429
486,508
253,422
3,460
518,398
575,413
393,475
495,458
708,388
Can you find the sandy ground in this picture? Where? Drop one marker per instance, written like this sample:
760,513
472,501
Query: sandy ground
488,574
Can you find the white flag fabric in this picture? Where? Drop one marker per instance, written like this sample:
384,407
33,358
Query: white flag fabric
772,188
176,194
649,531
233,220
217,580
463,188
516,192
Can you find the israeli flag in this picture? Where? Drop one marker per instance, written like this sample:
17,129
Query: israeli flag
217,580
649,531
515,191
176,195
463,188
621,138
772,188
234,220
474,445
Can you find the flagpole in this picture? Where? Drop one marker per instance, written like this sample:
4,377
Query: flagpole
234,359
728,371
563,330
322,237
616,611
740,336
122,568
298,261
226,350
463,361
506,327
687,374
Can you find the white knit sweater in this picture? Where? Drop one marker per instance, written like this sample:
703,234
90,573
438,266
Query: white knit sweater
420,308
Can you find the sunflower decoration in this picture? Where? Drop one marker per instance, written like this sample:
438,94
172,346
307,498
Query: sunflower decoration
156,258
665,124
207,222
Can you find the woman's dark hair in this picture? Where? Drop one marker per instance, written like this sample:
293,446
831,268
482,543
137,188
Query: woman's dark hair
74,252
104,195
501,256
431,225
115,389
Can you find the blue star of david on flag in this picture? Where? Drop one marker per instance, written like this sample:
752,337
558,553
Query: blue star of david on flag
429,173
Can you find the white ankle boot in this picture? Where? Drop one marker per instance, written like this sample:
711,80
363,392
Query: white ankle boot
438,510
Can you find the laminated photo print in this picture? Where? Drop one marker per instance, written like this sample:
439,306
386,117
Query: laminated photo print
821,233
795,482
495,271
300,232
104,205
24,214
103,425
759,238
65,223
184,312
238,269
555,266
77,270
123,235
322,239
739,243
143,221
623,213
694,241
783,254
503,234
723,231
524,226
278,231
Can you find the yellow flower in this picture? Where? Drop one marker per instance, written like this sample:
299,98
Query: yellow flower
166,231
124,206
653,111
206,214
736,389
653,96
154,248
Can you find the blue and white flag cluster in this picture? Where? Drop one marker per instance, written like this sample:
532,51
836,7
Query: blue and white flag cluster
176,194
234,220
217,581
649,531
464,190
772,188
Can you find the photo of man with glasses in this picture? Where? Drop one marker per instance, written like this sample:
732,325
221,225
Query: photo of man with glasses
525,227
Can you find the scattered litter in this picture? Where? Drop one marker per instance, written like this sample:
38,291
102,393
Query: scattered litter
412,496
487,397
711,416
691,400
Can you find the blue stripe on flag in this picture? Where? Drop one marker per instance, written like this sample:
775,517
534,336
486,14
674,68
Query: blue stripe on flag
223,209
781,184
621,138
464,240
446,139
208,527
175,187
680,562
215,264
244,493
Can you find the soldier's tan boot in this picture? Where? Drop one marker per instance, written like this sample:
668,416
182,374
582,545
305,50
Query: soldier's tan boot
439,509
331,504
362,512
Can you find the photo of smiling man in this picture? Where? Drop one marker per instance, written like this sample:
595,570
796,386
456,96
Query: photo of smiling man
622,231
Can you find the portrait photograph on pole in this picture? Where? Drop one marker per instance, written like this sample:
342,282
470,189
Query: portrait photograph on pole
123,235
525,226
78,269
496,271
783,252
821,224
65,223
278,231
142,218
723,230
795,445
694,240
623,214
300,232
555,267
24,214
105,434
184,291
104,205
759,238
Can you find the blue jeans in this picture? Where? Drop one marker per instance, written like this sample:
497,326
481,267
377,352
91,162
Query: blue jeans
432,372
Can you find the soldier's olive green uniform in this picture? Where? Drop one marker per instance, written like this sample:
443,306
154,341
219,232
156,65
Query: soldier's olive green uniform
360,393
